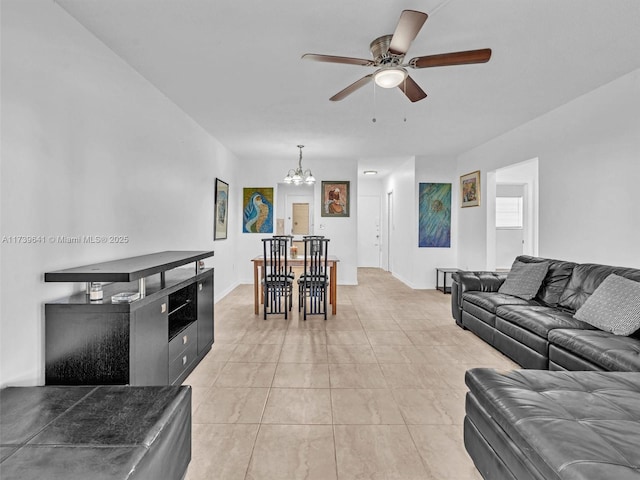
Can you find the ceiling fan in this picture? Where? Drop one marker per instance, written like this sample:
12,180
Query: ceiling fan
388,56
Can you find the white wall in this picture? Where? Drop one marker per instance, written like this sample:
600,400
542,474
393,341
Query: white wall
402,231
341,231
89,147
411,264
588,178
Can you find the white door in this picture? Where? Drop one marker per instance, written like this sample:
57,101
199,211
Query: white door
369,231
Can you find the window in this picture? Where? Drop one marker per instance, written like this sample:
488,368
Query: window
509,212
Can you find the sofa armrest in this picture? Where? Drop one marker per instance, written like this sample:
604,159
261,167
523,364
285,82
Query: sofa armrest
480,281
472,281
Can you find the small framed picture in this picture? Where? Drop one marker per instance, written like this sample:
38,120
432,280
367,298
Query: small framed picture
335,199
470,189
221,210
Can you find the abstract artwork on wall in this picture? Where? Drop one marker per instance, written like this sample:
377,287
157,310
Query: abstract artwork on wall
434,215
221,210
257,206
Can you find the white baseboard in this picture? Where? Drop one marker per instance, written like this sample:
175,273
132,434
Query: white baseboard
219,296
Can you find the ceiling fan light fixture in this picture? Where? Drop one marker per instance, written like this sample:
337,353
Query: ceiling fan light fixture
390,77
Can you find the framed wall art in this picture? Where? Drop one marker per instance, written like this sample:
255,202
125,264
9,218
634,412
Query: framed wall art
257,204
470,189
221,210
335,199
434,215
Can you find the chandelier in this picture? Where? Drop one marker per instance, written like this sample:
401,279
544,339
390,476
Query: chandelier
298,176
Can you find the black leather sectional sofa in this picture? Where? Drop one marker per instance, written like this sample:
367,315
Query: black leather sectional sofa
580,421
95,433
541,425
542,333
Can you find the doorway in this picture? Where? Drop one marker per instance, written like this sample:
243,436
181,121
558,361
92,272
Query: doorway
511,225
507,240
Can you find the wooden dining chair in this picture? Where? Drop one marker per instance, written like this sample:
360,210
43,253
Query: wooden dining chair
277,283
313,284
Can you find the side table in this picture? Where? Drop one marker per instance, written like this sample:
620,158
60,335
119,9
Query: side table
444,271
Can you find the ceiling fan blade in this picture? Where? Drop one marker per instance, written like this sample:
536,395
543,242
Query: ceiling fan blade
408,27
352,88
412,90
335,59
454,58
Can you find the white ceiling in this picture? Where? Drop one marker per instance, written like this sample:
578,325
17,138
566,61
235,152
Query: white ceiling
235,67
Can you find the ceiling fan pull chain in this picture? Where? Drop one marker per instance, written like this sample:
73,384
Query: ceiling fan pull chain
405,105
374,103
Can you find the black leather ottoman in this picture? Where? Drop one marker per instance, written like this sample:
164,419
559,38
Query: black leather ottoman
105,432
530,424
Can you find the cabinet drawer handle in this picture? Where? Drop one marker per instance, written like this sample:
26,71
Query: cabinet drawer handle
185,339
200,286
163,308
184,360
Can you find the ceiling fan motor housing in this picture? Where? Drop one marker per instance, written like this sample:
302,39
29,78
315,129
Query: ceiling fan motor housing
381,54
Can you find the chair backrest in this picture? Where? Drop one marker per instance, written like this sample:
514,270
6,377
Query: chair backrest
275,259
288,239
315,258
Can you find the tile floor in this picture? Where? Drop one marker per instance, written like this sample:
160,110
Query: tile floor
375,392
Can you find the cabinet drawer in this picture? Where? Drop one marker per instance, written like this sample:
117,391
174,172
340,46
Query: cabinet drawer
180,364
182,341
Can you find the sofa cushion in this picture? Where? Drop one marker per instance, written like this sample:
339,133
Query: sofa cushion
563,360
614,306
539,319
586,278
611,352
570,425
554,281
490,301
524,279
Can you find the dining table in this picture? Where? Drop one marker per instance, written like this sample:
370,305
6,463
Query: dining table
298,261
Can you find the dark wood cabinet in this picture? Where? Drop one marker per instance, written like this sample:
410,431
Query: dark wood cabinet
205,311
149,347
155,340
